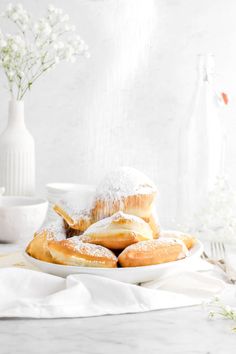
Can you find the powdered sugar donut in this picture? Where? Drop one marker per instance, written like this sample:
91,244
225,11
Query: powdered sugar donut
76,253
118,231
153,252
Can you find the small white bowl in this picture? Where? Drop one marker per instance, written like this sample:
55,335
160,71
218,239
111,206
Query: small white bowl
20,217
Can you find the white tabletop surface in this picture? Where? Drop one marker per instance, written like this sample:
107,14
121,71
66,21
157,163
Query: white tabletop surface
185,331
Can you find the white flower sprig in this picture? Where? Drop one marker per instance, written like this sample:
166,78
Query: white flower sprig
217,220
222,311
37,46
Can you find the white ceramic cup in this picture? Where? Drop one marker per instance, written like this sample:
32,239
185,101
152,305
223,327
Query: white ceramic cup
79,196
21,217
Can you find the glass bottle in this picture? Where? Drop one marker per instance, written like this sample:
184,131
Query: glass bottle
200,146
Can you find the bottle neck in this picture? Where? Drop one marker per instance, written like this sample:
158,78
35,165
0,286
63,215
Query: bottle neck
206,68
205,76
16,114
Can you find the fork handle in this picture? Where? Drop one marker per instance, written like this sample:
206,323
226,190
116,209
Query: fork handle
230,271
226,268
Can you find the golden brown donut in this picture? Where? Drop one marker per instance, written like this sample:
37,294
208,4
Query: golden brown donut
76,220
152,252
187,239
38,247
124,189
76,253
117,231
154,225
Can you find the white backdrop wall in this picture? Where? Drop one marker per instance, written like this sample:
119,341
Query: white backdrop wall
125,104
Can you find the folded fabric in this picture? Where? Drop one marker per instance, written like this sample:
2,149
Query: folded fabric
29,293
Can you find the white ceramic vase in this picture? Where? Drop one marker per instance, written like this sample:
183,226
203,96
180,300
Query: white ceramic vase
17,154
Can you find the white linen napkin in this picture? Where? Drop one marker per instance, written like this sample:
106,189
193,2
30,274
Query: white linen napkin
30,293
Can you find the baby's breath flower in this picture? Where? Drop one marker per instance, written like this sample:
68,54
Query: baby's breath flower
217,219
57,60
51,8
14,16
37,47
3,43
219,309
54,36
18,15
9,7
65,18
58,11
11,74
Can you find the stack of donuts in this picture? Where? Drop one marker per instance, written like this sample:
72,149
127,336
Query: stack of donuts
120,228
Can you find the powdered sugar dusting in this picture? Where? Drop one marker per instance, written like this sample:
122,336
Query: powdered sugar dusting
74,213
146,246
55,230
123,182
90,249
121,215
109,220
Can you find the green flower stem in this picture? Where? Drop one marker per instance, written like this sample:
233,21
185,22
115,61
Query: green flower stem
34,79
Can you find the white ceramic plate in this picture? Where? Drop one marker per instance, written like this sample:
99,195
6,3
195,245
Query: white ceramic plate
128,275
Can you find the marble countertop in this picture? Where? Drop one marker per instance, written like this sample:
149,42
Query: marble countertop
185,331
